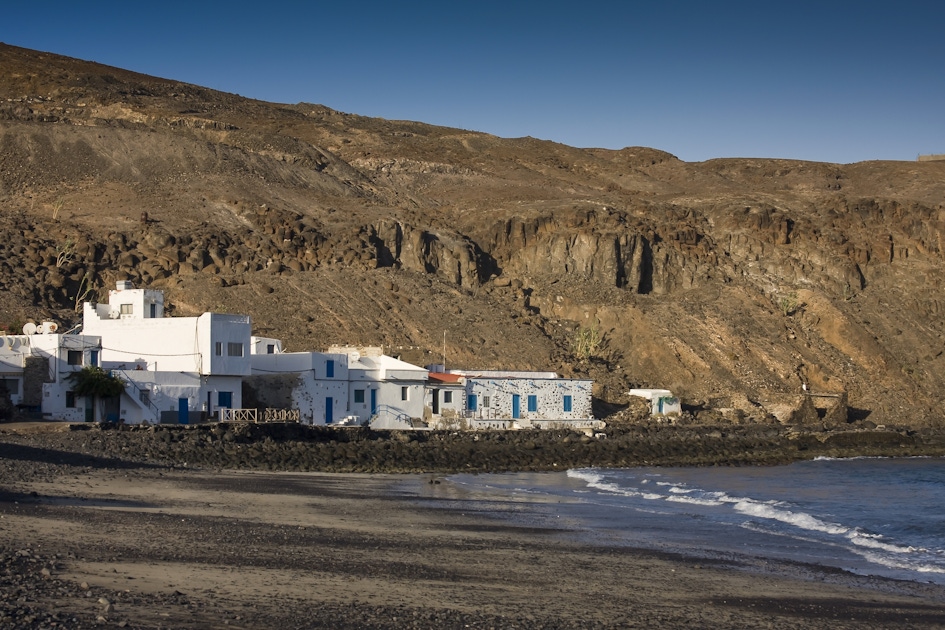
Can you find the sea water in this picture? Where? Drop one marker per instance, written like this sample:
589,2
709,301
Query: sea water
869,516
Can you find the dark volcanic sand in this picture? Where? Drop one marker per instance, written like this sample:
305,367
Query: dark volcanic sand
93,534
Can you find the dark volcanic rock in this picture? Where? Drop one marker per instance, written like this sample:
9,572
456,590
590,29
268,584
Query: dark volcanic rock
294,447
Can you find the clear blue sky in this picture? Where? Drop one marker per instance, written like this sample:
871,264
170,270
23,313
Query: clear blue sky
826,81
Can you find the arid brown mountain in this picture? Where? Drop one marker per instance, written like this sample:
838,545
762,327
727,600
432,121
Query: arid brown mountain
734,282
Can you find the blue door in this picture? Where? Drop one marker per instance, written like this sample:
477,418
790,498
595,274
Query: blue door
182,410
225,399
329,403
516,406
373,401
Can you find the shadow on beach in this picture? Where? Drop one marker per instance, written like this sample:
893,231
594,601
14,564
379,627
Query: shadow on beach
41,455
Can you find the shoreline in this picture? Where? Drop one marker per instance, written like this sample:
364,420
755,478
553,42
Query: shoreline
188,549
86,518
621,513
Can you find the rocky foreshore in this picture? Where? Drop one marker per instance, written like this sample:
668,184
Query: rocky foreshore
294,447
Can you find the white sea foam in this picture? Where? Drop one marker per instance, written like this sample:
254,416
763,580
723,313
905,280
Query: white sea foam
692,500
873,542
586,474
797,519
898,562
596,480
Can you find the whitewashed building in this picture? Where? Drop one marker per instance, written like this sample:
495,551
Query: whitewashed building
314,383
662,401
445,398
386,391
188,369
494,399
177,369
345,385
35,369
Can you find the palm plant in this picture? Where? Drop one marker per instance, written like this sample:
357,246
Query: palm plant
96,383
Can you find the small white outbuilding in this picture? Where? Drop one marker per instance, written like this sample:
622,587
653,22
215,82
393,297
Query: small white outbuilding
662,401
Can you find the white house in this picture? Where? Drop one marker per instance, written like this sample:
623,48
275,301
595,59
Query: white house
517,399
344,384
315,383
662,401
387,391
445,397
35,369
177,368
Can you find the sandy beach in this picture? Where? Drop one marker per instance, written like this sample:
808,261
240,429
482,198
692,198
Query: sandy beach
156,547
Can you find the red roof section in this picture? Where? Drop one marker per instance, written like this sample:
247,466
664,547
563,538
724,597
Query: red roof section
442,377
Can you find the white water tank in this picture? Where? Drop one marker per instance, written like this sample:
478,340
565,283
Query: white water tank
48,328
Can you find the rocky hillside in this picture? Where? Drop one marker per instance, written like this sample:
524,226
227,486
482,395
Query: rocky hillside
733,282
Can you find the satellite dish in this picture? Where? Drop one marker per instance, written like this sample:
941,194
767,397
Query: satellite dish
29,328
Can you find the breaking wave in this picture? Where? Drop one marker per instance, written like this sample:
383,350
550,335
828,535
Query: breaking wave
883,513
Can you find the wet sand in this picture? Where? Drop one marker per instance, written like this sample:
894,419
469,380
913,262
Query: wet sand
158,547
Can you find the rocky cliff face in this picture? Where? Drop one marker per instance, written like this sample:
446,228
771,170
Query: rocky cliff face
733,282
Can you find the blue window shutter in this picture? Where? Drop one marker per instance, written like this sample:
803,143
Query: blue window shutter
472,403
567,403
533,403
330,368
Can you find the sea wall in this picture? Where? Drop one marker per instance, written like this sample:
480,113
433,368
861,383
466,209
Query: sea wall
294,447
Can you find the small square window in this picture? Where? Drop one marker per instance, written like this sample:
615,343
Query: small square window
9,386
271,348
75,357
359,395
127,309
447,397
234,349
